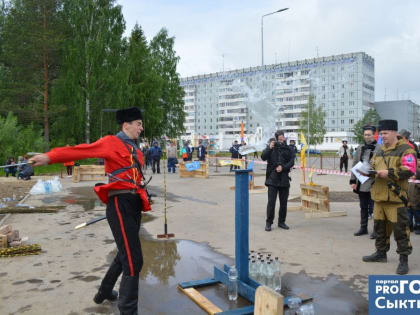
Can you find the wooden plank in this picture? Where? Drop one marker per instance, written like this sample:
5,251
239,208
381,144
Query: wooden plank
198,283
201,300
316,200
324,214
317,188
268,302
294,208
247,310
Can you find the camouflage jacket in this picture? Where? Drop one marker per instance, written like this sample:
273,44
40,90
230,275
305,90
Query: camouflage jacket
400,162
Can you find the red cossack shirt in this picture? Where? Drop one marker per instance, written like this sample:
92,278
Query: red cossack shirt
115,155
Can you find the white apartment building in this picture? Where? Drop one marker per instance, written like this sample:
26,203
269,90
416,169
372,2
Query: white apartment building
272,97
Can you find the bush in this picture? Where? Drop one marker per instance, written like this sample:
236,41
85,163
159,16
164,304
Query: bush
17,140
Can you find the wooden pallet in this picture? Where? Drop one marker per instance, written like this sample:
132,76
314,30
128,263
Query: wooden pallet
316,202
203,172
89,172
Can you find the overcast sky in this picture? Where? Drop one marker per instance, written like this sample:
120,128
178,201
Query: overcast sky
205,31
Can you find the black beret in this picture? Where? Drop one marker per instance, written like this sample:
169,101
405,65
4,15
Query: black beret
388,124
128,115
369,127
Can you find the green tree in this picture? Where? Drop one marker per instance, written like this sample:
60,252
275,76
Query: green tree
165,62
370,118
32,35
317,128
92,63
16,139
144,84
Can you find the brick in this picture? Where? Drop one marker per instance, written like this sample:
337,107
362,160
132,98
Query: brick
13,236
6,229
15,243
3,241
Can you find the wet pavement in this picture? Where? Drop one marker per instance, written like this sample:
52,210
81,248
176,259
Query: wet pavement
169,262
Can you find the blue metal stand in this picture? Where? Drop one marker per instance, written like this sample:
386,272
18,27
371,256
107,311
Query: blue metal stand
246,286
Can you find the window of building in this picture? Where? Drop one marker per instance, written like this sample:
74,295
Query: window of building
342,121
342,112
351,121
333,122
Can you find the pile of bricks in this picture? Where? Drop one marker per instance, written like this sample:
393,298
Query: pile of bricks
9,237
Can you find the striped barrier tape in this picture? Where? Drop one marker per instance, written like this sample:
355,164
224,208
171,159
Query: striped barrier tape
315,170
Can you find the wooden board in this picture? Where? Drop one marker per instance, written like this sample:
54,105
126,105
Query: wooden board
203,172
89,172
324,214
268,302
201,300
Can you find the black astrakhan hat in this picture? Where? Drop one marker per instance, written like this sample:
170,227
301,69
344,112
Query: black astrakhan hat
128,115
369,127
388,124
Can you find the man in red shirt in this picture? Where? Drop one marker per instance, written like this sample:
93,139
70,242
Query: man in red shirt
125,196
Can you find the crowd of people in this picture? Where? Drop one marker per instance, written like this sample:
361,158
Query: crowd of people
20,170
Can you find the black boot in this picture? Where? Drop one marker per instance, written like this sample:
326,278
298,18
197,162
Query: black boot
373,235
268,227
377,256
106,291
403,265
129,295
363,230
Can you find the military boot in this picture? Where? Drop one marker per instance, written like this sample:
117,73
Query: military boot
363,230
403,265
129,295
377,256
106,291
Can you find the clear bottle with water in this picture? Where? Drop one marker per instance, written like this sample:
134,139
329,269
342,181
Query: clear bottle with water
269,275
277,275
306,309
47,186
232,284
253,270
261,272
293,303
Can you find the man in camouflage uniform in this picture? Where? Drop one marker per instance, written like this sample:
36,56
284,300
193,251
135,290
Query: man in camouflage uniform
395,163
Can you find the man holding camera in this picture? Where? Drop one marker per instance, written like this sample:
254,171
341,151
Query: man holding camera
280,160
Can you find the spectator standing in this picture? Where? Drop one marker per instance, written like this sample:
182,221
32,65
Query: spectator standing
155,155
201,151
344,156
234,150
172,157
10,169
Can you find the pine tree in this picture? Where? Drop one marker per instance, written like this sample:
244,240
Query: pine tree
172,103
32,35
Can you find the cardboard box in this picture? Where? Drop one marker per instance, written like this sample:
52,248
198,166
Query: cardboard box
3,241
5,229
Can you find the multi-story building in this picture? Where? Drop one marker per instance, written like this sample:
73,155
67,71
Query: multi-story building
274,96
406,112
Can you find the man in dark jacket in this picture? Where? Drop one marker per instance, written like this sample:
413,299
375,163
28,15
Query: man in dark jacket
155,154
201,151
234,150
280,160
364,153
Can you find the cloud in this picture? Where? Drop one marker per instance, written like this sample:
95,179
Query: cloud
206,30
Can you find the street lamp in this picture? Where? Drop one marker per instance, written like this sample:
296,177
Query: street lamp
262,32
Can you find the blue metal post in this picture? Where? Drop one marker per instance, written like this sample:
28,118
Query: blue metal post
242,223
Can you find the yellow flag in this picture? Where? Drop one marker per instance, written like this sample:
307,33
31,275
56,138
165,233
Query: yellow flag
303,151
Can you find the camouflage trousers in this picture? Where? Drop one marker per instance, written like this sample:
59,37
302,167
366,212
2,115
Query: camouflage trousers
392,217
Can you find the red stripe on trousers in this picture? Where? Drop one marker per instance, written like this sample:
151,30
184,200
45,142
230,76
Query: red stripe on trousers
130,262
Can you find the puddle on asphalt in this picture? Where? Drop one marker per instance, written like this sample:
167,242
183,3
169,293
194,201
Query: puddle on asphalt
169,262
84,196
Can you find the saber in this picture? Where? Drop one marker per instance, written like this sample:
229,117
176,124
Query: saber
17,164
90,222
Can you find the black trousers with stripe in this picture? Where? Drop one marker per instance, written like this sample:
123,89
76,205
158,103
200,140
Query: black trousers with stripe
124,217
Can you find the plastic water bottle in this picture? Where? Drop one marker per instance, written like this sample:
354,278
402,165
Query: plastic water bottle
252,270
47,186
306,309
277,275
269,275
233,284
261,272
293,303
